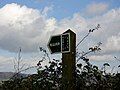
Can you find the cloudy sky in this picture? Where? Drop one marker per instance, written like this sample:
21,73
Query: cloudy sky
30,23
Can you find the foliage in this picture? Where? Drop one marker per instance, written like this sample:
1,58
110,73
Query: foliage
88,77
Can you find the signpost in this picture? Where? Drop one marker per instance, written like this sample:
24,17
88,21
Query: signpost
66,44
68,61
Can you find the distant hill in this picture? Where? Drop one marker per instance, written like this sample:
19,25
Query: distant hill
8,75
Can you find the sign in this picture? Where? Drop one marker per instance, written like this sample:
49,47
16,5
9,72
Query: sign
54,44
59,43
65,42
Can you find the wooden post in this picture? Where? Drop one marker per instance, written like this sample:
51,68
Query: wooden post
68,61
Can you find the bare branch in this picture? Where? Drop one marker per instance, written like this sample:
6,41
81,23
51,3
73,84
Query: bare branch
90,31
45,53
92,49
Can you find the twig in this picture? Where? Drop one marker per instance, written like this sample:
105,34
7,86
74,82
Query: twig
90,31
22,71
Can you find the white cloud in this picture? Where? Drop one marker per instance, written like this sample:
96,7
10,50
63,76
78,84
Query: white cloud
6,62
109,33
29,28
23,27
51,24
77,23
112,45
96,8
46,10
101,57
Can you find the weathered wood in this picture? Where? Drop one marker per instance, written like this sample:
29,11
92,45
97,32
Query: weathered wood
68,62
